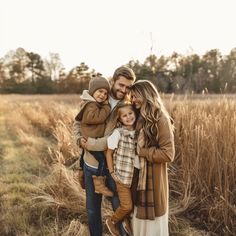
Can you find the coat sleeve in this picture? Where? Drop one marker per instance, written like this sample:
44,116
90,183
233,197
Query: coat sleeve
76,132
164,151
76,136
95,113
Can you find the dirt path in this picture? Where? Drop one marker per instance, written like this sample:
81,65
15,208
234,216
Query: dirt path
9,149
17,183
13,157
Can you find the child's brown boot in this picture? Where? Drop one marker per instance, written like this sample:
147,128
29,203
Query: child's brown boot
100,187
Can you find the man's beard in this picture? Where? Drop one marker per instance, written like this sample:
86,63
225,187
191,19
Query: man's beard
114,94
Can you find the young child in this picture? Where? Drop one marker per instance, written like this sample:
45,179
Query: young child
121,160
94,110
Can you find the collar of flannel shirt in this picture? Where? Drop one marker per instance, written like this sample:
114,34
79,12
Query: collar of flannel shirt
129,133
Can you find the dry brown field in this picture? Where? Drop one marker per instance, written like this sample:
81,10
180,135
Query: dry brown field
39,191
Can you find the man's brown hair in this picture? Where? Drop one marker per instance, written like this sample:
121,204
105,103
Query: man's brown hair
125,71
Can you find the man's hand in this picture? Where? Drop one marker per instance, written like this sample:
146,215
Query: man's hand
82,142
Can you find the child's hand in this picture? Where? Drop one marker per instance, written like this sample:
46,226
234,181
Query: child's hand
114,177
106,102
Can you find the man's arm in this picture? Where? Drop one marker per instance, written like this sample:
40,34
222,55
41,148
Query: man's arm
97,144
77,137
76,132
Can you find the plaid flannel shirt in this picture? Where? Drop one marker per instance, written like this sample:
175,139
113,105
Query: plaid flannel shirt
123,157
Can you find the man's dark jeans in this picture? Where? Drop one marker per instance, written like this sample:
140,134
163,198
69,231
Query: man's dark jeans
93,203
100,157
94,200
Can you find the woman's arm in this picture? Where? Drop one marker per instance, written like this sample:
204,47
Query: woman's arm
164,151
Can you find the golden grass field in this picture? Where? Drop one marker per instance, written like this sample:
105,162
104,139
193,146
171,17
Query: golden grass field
39,192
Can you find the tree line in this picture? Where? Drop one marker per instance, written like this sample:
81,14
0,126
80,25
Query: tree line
26,72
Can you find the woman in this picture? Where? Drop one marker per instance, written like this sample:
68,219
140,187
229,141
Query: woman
156,146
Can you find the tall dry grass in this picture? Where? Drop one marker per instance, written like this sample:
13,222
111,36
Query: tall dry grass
203,173
202,177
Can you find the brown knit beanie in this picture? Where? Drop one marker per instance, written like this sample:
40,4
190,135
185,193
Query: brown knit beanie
97,83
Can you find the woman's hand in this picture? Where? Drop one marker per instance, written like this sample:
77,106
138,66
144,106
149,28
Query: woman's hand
138,149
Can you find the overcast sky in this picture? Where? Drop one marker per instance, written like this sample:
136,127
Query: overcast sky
107,33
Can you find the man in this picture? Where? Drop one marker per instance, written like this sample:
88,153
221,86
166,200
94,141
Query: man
121,82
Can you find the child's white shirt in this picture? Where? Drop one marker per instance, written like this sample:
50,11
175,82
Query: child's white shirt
113,140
